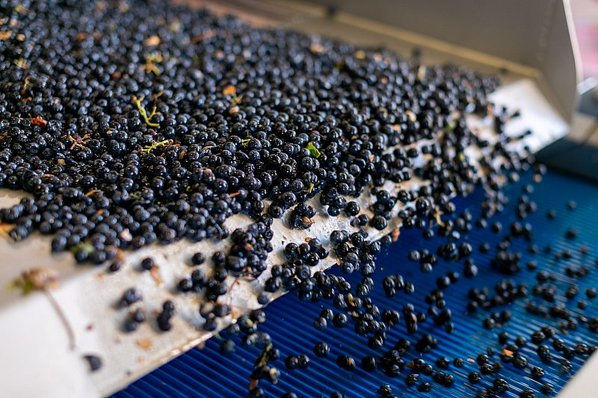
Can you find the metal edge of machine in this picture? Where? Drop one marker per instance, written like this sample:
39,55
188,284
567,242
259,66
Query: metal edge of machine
534,37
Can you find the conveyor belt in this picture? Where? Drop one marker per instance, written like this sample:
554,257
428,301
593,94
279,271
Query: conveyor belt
39,346
207,373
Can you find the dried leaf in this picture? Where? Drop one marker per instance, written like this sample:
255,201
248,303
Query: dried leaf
145,344
155,274
36,279
5,229
316,48
507,353
437,214
229,90
38,121
360,54
21,63
395,233
5,35
412,116
152,41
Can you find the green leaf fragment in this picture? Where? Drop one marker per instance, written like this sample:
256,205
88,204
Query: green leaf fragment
84,247
313,151
34,279
24,286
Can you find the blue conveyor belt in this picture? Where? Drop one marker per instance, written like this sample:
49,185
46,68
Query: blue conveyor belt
207,373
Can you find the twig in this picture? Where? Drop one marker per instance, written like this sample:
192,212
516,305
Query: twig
143,112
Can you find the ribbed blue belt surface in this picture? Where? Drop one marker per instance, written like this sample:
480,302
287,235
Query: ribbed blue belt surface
208,373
